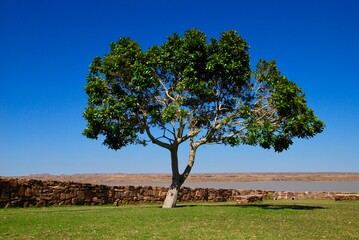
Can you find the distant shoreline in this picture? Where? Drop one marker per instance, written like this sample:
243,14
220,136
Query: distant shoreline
98,178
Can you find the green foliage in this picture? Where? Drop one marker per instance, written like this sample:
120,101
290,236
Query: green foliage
192,88
287,115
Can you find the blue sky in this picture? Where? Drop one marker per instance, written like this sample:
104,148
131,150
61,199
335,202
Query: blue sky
47,46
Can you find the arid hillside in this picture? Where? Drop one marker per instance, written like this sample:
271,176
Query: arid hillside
121,178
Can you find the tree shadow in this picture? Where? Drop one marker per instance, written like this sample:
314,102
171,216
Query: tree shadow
281,206
262,206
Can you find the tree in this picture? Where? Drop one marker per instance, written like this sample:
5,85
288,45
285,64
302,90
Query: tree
193,90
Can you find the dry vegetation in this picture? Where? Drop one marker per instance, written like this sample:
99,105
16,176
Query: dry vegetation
204,177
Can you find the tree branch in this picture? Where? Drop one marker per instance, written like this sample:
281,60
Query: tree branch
155,140
189,135
191,159
166,90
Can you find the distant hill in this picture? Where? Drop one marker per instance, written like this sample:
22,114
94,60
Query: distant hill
121,178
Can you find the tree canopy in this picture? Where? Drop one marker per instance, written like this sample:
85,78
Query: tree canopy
197,90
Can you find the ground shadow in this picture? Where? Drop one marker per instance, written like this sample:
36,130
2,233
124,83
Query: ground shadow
280,206
262,206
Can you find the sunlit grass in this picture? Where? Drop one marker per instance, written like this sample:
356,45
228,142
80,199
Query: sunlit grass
298,219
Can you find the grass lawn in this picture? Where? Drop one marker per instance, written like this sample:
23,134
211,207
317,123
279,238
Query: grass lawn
297,219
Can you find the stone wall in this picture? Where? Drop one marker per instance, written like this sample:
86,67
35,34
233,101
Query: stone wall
29,192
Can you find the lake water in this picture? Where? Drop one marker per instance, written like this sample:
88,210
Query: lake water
295,186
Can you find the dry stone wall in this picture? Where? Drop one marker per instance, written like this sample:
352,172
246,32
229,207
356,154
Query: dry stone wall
29,192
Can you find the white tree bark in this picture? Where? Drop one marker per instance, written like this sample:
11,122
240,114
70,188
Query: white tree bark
178,179
171,198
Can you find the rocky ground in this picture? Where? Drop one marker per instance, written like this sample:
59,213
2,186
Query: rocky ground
203,177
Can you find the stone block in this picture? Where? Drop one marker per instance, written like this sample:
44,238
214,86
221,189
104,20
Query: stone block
243,199
342,197
35,192
148,198
12,182
41,204
80,195
28,192
62,196
21,191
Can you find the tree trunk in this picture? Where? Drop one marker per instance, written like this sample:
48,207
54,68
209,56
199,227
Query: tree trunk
178,179
172,195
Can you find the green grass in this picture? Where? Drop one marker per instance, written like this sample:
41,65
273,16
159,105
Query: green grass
298,219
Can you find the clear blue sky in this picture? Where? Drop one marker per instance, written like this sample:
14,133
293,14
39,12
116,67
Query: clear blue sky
47,46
